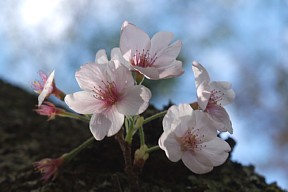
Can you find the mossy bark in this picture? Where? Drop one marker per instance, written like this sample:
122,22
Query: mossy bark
26,137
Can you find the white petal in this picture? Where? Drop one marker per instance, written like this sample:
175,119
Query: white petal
133,38
83,102
91,75
160,41
220,115
149,72
175,69
203,94
205,128
125,23
106,124
121,76
170,52
200,74
174,113
135,100
47,89
170,145
216,150
189,159
117,120
202,158
183,125
99,126
226,93
118,58
127,56
101,57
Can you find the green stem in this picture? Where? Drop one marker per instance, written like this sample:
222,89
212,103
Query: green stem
74,116
139,78
154,148
129,126
74,152
161,114
129,136
142,136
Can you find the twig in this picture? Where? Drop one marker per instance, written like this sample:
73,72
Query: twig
133,178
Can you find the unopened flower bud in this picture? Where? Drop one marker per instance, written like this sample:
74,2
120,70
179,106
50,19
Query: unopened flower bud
49,109
49,167
140,157
139,122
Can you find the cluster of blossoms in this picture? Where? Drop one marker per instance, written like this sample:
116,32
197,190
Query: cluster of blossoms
113,97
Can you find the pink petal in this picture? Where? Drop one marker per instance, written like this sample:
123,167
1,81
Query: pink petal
134,101
189,159
133,38
106,124
83,102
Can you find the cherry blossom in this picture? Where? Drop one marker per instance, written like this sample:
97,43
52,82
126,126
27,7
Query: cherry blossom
212,96
49,109
48,168
109,94
155,58
45,87
191,136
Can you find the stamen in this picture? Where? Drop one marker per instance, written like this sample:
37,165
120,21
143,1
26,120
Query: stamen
216,97
108,93
190,141
143,59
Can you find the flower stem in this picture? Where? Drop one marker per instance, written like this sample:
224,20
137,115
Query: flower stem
154,148
59,94
70,155
133,177
142,136
74,116
129,136
161,114
139,78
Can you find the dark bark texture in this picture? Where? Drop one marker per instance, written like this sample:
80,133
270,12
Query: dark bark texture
26,137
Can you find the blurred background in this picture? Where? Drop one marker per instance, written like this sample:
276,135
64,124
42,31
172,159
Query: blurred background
243,42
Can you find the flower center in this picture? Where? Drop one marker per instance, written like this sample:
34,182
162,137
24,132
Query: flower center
143,59
215,97
107,93
188,142
38,86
